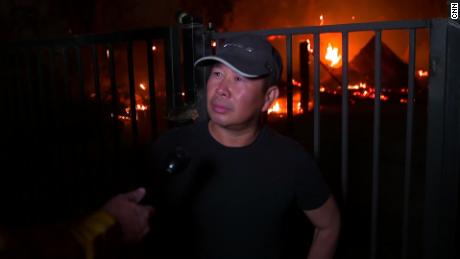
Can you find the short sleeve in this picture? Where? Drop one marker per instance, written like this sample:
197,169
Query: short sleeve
310,189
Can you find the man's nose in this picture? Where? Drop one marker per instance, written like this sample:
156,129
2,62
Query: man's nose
223,88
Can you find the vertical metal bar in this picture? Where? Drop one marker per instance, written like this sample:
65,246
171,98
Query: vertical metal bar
54,109
289,93
19,124
172,68
29,90
97,89
41,92
344,115
409,127
114,110
152,98
132,93
376,143
316,132
81,77
65,59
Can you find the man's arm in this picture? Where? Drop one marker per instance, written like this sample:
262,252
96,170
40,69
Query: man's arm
326,220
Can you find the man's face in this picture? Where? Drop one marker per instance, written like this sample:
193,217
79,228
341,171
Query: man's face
234,101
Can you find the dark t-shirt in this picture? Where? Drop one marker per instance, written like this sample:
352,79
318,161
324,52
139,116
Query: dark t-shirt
234,202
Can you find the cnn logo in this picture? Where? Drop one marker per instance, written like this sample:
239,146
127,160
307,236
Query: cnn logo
454,11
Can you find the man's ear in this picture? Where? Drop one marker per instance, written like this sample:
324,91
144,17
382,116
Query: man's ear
271,95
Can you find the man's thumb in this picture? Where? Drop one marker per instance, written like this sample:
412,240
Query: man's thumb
136,195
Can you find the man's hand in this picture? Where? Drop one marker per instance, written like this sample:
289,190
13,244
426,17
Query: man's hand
132,217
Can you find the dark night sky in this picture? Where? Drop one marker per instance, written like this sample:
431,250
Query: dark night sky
48,18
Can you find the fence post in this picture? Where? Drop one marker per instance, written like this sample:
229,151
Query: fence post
443,143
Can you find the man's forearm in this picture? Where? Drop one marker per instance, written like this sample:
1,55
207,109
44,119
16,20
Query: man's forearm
323,244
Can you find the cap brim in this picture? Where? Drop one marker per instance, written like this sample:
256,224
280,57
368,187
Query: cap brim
203,61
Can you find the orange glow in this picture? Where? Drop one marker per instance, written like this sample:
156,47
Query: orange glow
296,83
322,89
332,55
321,19
403,100
141,107
309,46
154,48
213,44
274,37
142,86
361,85
353,17
275,108
422,73
279,108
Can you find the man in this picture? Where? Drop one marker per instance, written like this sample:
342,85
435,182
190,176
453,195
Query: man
243,178
121,220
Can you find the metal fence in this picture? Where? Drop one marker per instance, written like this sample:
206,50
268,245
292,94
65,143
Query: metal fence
46,81
438,217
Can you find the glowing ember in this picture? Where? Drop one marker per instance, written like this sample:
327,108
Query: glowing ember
322,89
142,86
332,55
213,44
422,73
296,83
361,85
309,46
275,108
279,108
141,107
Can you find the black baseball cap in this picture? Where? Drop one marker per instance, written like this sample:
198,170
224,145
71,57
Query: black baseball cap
250,55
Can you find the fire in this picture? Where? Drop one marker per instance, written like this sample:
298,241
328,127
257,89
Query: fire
361,85
142,86
321,19
422,73
213,44
141,107
275,108
280,106
296,83
309,46
332,55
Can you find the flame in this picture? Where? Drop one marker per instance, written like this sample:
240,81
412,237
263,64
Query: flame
279,108
142,86
309,46
321,19
422,73
275,108
154,48
296,83
213,44
332,55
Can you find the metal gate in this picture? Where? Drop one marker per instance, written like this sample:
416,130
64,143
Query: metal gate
47,96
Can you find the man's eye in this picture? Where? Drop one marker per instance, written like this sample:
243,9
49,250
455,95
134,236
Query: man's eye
217,73
238,78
